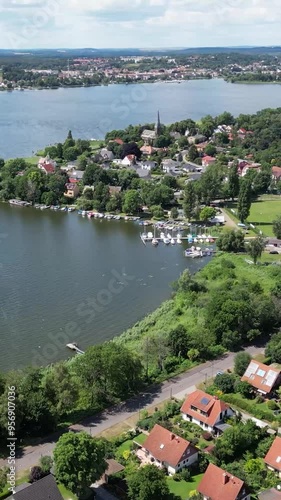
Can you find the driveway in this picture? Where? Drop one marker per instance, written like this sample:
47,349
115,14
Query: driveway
176,387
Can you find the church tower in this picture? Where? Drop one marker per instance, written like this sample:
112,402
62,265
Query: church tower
158,126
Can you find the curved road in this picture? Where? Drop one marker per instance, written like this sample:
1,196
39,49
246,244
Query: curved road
176,387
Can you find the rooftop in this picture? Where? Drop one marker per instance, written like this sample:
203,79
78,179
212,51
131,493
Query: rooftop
210,405
166,446
261,376
218,484
273,457
44,489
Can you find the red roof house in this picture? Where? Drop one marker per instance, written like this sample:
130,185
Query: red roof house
217,484
48,168
276,173
164,449
262,377
206,411
273,457
208,160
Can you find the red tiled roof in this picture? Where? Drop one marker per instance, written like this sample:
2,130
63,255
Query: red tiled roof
261,376
273,457
72,180
166,446
119,141
204,402
276,171
131,157
217,484
48,167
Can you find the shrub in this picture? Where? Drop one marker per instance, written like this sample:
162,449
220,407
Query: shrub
272,405
185,474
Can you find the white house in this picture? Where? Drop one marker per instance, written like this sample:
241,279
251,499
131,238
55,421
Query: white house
164,449
206,411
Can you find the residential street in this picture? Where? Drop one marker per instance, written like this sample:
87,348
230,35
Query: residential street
177,387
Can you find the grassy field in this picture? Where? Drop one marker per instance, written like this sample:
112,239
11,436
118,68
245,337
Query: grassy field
184,488
263,212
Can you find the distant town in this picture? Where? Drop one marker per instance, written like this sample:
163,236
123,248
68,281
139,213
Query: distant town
25,72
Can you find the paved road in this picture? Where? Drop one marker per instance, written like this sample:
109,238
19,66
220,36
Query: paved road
178,387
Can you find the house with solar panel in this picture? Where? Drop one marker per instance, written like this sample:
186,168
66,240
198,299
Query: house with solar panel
264,379
207,411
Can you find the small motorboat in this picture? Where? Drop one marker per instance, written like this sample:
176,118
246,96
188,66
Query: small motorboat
173,242
154,242
166,240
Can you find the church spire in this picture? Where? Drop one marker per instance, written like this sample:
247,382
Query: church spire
158,125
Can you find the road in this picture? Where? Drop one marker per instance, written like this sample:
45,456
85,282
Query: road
176,387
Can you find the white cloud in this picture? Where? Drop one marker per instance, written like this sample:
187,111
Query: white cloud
140,23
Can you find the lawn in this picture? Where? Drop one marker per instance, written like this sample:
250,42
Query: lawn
263,212
140,439
184,488
67,495
95,144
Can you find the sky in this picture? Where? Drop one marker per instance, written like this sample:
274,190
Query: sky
138,23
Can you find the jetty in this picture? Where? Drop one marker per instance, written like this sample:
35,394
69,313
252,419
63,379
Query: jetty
74,347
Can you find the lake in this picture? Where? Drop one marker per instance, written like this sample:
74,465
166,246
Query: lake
64,278
30,120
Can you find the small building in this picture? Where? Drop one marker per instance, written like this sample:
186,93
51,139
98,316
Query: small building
113,467
72,190
273,457
44,489
148,136
217,484
164,449
128,161
147,150
206,411
196,139
262,377
271,494
106,155
147,165
276,174
171,167
208,160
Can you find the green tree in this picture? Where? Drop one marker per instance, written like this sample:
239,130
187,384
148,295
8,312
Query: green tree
132,202
273,348
193,153
69,142
231,241
233,182
207,213
79,461
241,362
225,382
148,483
255,248
244,200
277,227
157,211
178,341
210,150
225,118
3,478
190,200
46,463
174,213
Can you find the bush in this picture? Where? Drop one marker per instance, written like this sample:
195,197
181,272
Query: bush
249,407
272,405
185,474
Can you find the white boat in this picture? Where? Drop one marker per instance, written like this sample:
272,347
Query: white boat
169,236
149,235
166,240
162,236
179,241
173,242
144,236
154,242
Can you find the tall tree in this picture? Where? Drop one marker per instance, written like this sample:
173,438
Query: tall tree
193,153
79,461
241,362
255,248
190,199
277,227
233,182
244,200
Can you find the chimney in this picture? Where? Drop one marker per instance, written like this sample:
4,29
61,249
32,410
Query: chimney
225,478
172,437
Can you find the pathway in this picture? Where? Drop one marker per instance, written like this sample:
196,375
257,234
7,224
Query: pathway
178,387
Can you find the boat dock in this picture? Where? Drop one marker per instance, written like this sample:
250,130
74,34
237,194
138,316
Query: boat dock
74,347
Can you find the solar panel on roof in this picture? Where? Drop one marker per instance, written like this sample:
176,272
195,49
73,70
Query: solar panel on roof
205,401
